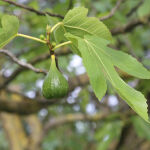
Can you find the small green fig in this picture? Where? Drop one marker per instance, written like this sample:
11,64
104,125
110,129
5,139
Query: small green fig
42,37
53,44
55,85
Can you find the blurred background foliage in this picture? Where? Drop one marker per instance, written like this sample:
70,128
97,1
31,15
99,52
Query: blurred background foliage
109,133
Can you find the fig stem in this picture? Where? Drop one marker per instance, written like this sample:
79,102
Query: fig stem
30,37
56,25
62,44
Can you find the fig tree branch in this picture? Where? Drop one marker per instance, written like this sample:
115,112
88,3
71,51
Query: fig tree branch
135,8
76,81
34,105
32,62
33,10
21,63
128,27
69,118
117,30
58,15
112,12
28,106
22,107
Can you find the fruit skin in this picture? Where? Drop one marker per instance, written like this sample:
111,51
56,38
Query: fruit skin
55,85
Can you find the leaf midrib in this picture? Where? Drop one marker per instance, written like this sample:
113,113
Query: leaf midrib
100,61
78,28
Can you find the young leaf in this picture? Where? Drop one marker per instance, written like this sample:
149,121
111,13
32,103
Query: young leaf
95,46
10,26
77,23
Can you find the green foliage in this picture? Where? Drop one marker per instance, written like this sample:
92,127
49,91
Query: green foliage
77,23
55,85
144,10
93,67
106,134
100,65
10,26
67,139
90,38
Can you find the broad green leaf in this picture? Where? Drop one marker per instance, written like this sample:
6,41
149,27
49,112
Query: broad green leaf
128,63
77,23
10,26
92,49
93,68
135,99
95,72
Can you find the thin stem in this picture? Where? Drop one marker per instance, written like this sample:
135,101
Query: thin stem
32,38
55,26
62,44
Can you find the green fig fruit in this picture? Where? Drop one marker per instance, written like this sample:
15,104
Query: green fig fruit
42,37
55,85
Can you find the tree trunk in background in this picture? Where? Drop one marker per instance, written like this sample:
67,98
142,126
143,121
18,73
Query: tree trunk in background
130,141
15,131
13,127
36,132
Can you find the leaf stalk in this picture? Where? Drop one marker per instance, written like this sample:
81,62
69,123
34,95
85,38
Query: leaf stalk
62,44
30,37
56,25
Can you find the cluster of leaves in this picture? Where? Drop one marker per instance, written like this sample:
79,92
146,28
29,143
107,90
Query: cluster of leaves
90,39
33,24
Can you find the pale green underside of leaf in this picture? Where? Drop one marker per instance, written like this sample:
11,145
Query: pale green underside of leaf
102,63
10,26
96,76
77,23
94,70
